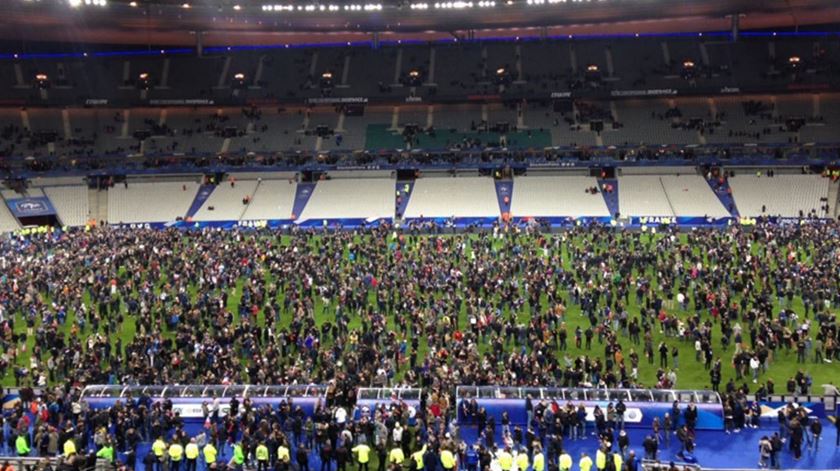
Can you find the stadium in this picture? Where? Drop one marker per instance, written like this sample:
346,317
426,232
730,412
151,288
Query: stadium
405,235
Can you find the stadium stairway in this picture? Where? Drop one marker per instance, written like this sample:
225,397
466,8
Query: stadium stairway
667,198
302,194
403,195
724,194
204,192
611,199
250,200
834,199
98,205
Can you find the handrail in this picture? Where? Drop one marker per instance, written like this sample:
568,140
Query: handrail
26,463
584,394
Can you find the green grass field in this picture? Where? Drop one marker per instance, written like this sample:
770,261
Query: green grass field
691,374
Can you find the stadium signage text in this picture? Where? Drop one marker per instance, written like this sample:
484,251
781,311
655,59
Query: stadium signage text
182,101
336,101
561,94
649,92
256,223
96,102
357,167
30,206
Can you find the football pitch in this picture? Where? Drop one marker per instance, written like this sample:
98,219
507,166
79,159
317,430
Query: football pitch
572,252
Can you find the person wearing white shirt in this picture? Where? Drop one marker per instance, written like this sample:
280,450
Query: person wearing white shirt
754,365
397,434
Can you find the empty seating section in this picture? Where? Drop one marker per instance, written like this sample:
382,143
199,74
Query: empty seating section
8,222
150,201
277,130
646,122
824,127
273,199
498,114
782,195
691,196
102,127
413,58
444,197
182,74
546,65
556,196
8,194
642,196
71,203
588,53
460,119
372,198
351,198
414,114
460,68
369,69
797,106
228,201
759,119
466,59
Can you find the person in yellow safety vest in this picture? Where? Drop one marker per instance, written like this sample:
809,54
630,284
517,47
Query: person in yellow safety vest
396,457
210,453
69,447
362,452
417,456
283,457
238,456
159,450
176,455
21,446
106,452
600,460
522,460
585,462
539,458
447,460
262,457
617,461
191,453
565,462
505,459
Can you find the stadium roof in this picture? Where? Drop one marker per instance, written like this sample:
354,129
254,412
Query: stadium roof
226,22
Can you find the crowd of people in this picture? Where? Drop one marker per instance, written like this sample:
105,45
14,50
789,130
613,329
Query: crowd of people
381,307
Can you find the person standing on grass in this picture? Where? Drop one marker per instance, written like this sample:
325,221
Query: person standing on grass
362,452
396,457
663,355
754,366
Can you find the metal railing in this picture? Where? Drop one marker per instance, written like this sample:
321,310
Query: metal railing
204,391
31,463
588,394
